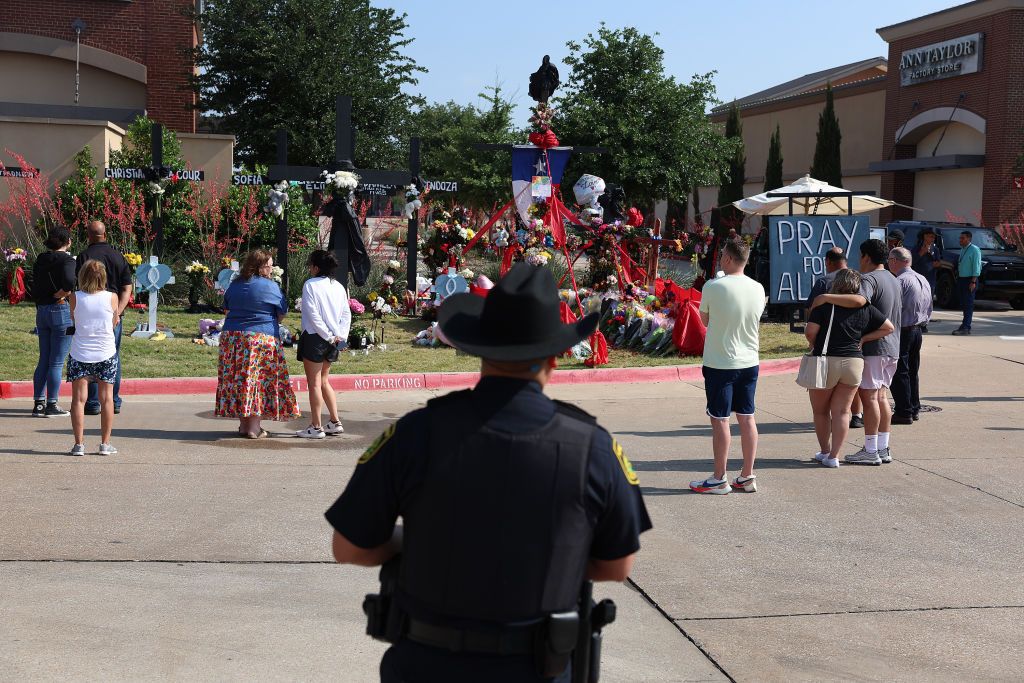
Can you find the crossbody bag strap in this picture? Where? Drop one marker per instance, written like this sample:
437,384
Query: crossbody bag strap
828,332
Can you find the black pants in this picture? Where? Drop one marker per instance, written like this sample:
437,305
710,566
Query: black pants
905,386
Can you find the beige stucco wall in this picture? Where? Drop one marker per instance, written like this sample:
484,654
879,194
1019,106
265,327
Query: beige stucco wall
957,192
51,145
38,79
861,120
959,139
212,153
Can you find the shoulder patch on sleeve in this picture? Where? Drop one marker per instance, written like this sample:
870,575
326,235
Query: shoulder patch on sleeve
377,444
625,464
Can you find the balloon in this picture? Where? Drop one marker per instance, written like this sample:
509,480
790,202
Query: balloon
587,189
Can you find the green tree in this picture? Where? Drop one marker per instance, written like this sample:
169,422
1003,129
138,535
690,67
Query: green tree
773,168
266,64
448,131
828,165
660,141
731,187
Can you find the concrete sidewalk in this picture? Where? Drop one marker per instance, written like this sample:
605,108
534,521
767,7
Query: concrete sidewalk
197,555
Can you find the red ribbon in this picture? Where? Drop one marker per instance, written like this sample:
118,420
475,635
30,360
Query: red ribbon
545,140
16,286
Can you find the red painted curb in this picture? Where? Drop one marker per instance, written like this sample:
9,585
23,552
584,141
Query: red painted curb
429,380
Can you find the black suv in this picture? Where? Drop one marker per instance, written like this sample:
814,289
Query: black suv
1002,269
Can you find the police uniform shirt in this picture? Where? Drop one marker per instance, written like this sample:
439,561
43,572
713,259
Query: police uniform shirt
391,468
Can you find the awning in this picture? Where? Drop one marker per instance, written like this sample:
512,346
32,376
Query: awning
939,163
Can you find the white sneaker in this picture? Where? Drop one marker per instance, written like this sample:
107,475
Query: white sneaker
311,432
77,449
711,485
107,449
333,427
863,457
820,457
747,484
829,462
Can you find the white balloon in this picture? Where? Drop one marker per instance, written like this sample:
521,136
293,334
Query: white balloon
587,189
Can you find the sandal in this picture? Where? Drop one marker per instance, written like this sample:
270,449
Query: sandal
262,434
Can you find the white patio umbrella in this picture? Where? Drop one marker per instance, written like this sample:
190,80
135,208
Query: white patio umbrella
811,197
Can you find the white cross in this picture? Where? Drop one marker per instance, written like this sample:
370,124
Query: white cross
153,285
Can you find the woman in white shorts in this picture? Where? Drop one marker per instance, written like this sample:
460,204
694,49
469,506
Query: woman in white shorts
844,330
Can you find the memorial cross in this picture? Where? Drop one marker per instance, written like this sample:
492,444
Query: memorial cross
155,173
152,277
378,180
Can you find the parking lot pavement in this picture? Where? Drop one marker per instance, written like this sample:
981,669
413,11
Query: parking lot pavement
193,554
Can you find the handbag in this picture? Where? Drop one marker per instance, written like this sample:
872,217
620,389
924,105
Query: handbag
813,372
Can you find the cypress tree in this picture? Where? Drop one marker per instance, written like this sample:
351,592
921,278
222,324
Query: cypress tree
731,188
773,169
828,166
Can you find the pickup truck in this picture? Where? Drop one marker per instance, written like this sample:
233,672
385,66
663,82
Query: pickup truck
1002,268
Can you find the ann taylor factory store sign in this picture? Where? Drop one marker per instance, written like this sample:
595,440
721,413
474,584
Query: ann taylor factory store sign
941,60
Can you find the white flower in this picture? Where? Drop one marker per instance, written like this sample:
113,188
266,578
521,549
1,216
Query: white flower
394,265
463,233
388,280
385,309
466,273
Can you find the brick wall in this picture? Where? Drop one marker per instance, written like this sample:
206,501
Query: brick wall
996,93
155,33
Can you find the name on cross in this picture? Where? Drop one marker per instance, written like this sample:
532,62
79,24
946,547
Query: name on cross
17,172
194,175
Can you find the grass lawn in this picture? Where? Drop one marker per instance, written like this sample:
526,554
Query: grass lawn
179,357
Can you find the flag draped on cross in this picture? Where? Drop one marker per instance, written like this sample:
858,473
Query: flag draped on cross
528,162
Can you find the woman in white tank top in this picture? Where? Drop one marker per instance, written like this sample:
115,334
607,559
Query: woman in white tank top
93,356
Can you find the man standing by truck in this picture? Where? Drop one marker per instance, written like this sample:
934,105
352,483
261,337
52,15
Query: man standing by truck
968,272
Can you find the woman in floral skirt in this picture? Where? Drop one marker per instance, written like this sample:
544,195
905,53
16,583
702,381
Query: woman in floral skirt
252,375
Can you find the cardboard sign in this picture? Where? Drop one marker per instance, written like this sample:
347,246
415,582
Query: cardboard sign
541,186
798,245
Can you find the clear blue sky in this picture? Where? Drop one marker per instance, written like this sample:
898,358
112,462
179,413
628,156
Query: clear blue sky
469,44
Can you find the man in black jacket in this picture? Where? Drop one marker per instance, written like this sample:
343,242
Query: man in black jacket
119,281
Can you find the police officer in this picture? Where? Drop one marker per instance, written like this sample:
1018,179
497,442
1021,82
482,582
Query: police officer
510,500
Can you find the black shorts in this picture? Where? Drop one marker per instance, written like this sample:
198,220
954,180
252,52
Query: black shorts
316,349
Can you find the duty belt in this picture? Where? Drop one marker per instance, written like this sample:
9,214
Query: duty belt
514,640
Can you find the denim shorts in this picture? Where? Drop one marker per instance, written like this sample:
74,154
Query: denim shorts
730,391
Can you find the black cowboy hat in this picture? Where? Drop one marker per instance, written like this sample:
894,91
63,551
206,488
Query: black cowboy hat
518,320
343,165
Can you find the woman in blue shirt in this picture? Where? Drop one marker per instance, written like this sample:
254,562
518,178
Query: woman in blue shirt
252,374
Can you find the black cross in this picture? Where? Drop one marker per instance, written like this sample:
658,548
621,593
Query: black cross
344,143
154,173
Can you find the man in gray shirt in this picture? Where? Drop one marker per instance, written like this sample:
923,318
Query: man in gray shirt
879,288
917,309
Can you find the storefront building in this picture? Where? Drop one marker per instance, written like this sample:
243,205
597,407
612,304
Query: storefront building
78,72
938,126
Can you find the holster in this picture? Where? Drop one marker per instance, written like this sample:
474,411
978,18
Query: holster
555,641
384,618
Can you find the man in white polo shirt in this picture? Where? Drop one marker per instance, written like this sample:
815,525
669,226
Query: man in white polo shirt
731,307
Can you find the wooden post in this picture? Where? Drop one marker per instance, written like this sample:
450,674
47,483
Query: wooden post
652,266
282,220
157,144
412,234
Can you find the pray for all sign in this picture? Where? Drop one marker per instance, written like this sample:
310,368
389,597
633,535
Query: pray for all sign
798,246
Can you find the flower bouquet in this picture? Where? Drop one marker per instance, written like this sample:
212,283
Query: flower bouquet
340,184
14,277
197,279
447,241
